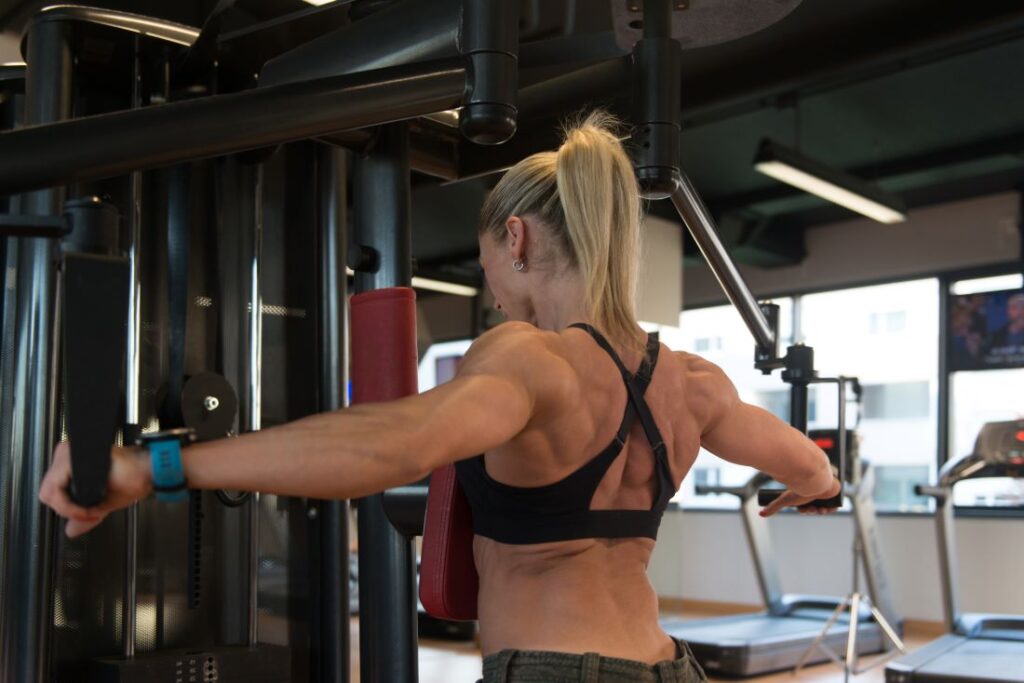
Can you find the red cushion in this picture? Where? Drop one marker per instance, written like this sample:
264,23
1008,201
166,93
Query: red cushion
448,578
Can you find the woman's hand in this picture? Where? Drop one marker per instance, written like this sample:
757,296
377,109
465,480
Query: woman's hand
130,480
802,503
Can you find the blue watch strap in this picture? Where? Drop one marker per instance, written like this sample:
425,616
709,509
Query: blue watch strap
168,473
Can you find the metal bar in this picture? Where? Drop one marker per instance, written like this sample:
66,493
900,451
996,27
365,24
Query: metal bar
701,226
759,540
254,400
107,145
944,384
405,32
947,558
334,570
387,569
132,380
26,609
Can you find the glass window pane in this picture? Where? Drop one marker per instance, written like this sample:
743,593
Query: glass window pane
978,397
886,336
440,362
719,335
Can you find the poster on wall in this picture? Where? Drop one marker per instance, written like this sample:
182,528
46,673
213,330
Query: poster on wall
986,331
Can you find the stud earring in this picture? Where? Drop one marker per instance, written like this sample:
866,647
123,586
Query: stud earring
519,265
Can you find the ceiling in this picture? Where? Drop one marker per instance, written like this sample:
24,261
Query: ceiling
924,97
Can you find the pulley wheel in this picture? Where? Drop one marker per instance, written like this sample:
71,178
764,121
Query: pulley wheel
209,406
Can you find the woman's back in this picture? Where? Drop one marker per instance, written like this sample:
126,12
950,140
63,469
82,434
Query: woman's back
591,594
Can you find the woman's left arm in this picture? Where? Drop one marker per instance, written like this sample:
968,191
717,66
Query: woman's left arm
348,453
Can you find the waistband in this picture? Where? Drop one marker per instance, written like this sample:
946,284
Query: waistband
530,666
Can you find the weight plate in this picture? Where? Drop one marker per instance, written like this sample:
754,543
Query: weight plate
209,405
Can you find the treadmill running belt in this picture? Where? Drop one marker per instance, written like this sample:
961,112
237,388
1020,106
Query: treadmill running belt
750,644
976,660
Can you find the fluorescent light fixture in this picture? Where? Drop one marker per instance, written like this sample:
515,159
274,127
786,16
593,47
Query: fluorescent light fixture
988,284
445,287
839,187
435,285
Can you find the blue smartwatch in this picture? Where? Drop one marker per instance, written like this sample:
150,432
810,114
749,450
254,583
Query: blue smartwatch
165,454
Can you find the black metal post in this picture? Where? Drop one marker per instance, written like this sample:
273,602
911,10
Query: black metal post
657,59
108,145
334,645
387,569
942,421
489,38
29,430
799,373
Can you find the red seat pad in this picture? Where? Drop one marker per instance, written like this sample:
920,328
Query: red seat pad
448,578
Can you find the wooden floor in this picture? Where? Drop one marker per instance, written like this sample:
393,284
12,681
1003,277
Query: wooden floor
459,662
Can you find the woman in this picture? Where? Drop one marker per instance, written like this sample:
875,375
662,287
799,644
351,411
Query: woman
564,537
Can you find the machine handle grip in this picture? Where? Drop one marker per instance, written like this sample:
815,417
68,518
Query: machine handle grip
767,496
928,490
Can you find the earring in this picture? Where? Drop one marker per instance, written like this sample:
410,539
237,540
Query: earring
519,265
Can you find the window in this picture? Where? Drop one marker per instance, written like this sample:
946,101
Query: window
897,400
980,396
718,334
440,362
898,369
890,322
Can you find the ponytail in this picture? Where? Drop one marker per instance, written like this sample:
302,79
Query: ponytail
586,195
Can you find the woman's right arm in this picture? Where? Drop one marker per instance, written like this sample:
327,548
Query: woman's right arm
748,435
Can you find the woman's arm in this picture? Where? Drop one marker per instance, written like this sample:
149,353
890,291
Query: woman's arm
748,435
351,452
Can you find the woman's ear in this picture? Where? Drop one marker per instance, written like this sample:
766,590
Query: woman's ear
516,229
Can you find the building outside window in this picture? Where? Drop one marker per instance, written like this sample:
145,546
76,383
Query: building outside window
898,370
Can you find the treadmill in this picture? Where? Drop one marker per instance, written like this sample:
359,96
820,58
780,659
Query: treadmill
980,648
777,638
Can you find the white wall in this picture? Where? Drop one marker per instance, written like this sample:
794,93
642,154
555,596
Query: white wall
10,48
704,556
944,237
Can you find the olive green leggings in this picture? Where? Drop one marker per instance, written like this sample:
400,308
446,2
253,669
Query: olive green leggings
527,666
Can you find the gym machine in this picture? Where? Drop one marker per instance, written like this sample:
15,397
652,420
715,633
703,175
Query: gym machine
336,77
784,635
980,648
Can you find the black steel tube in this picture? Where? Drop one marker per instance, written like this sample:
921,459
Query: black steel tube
387,568
701,226
798,406
489,39
26,605
113,144
334,570
406,32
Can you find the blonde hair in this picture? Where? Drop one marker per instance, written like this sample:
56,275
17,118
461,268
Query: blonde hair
586,195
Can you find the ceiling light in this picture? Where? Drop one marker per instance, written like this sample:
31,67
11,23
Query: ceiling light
318,2
829,183
435,285
446,287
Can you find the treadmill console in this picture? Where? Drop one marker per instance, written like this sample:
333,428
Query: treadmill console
1001,443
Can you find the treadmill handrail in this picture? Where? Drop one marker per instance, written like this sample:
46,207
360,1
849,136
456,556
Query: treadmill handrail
744,491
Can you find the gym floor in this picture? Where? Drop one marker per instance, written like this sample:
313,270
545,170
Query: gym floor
459,662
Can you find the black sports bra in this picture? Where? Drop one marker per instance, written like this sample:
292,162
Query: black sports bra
561,511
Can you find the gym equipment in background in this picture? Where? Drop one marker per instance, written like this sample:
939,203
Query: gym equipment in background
777,638
980,648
